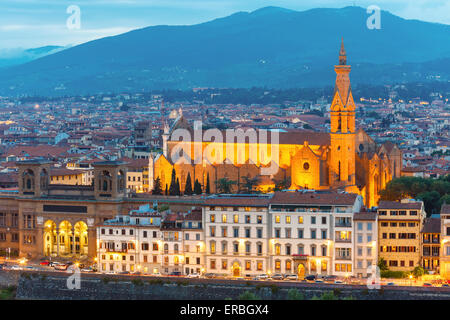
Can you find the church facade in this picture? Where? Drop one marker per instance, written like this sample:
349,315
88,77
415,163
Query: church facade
344,159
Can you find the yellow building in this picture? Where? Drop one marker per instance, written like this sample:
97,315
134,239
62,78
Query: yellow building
445,242
67,176
344,159
399,227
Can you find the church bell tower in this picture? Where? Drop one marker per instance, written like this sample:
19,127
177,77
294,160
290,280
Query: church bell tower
342,114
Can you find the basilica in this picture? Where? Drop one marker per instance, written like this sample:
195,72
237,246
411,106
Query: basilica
344,159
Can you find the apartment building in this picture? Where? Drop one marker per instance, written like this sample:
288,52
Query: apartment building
303,232
130,243
194,244
236,234
445,242
430,237
399,226
365,230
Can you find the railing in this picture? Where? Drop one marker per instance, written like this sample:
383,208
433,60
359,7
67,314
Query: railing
121,250
343,240
343,225
343,258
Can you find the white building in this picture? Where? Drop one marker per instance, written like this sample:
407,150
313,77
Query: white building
130,243
236,235
365,230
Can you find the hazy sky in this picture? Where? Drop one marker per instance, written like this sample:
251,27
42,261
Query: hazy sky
34,23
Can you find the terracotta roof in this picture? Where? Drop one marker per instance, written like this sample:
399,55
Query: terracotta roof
399,205
291,136
365,216
237,201
331,198
432,225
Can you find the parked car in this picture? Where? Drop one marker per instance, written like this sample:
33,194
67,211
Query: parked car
44,263
330,278
61,267
156,274
426,284
338,282
193,275
291,277
16,267
89,269
390,284
31,268
318,281
175,274
277,276
124,272
210,275
262,277
311,277
445,285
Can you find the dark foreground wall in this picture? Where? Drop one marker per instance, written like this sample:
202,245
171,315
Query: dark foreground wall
35,286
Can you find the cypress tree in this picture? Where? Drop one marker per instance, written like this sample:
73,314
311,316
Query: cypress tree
177,188
208,187
173,187
166,192
197,187
157,187
188,187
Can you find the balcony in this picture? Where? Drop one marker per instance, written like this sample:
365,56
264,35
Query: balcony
343,258
121,250
343,225
343,240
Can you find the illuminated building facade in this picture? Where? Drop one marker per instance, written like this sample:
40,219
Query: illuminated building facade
399,226
445,242
344,159
288,233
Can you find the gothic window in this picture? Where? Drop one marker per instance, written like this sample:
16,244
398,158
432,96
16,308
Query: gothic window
361,147
306,166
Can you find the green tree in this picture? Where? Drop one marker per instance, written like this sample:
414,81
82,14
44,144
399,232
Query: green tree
208,186
173,184
197,187
382,264
188,188
166,192
418,271
430,200
177,188
282,184
250,183
157,187
224,185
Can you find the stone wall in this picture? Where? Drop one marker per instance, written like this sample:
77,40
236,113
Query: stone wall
37,286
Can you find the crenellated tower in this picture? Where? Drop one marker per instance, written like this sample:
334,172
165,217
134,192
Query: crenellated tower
342,114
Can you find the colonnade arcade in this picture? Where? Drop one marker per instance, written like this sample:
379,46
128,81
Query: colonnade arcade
65,238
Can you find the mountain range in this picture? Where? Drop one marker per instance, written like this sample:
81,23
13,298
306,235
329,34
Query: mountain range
270,47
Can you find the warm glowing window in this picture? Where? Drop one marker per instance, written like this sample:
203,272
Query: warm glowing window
236,218
259,266
212,218
248,265
288,219
300,220
277,219
213,247
224,218
277,265
277,249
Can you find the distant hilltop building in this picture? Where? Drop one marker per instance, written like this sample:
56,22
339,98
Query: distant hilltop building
344,159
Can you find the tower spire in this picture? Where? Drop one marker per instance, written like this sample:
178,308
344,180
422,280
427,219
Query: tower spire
342,54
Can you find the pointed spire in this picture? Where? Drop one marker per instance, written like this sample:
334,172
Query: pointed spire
342,54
